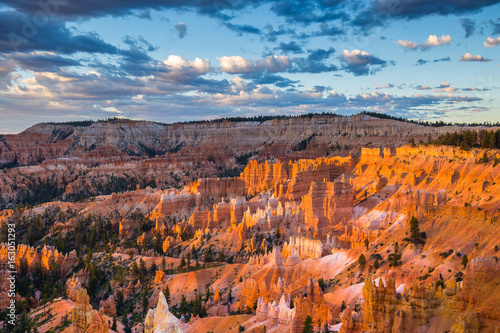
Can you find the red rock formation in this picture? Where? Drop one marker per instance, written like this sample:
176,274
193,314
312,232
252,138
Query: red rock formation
313,305
108,306
86,320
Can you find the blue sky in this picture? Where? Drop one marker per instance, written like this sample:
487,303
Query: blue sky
170,61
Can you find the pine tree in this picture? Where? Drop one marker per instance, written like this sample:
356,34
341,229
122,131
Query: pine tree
414,229
396,256
465,260
183,306
163,263
308,325
166,292
361,259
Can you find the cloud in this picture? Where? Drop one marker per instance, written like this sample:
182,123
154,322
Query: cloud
495,26
20,35
241,29
407,44
178,69
421,62
492,42
470,57
382,12
359,62
42,61
387,85
444,84
181,29
431,41
315,62
73,10
291,47
236,65
469,26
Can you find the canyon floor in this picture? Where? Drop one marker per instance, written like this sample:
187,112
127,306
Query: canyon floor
311,230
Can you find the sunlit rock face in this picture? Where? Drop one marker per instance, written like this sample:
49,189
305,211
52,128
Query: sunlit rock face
85,319
160,320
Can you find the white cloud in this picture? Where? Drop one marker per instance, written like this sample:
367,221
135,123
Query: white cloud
236,64
356,57
470,57
407,44
492,42
179,69
432,40
240,65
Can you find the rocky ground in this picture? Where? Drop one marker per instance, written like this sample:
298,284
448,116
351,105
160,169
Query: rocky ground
393,239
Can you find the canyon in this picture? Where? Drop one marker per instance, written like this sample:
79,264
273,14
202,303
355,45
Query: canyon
300,234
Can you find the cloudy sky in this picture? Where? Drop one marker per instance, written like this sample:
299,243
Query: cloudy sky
180,60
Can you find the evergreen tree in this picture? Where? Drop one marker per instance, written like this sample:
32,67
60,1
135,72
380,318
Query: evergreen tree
465,260
183,306
119,302
308,325
396,256
361,259
208,293
166,292
414,229
163,263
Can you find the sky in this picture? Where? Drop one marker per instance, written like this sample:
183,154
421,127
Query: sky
182,60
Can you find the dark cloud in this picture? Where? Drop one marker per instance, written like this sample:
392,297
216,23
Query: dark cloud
495,26
242,28
469,26
421,62
307,12
19,33
270,34
71,10
181,29
329,30
361,63
291,47
43,61
381,12
266,78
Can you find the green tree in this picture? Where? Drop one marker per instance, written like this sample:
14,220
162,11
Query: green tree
484,158
119,302
208,293
465,260
361,259
163,263
166,292
396,256
367,243
326,328
144,302
376,264
308,325
414,229
183,306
